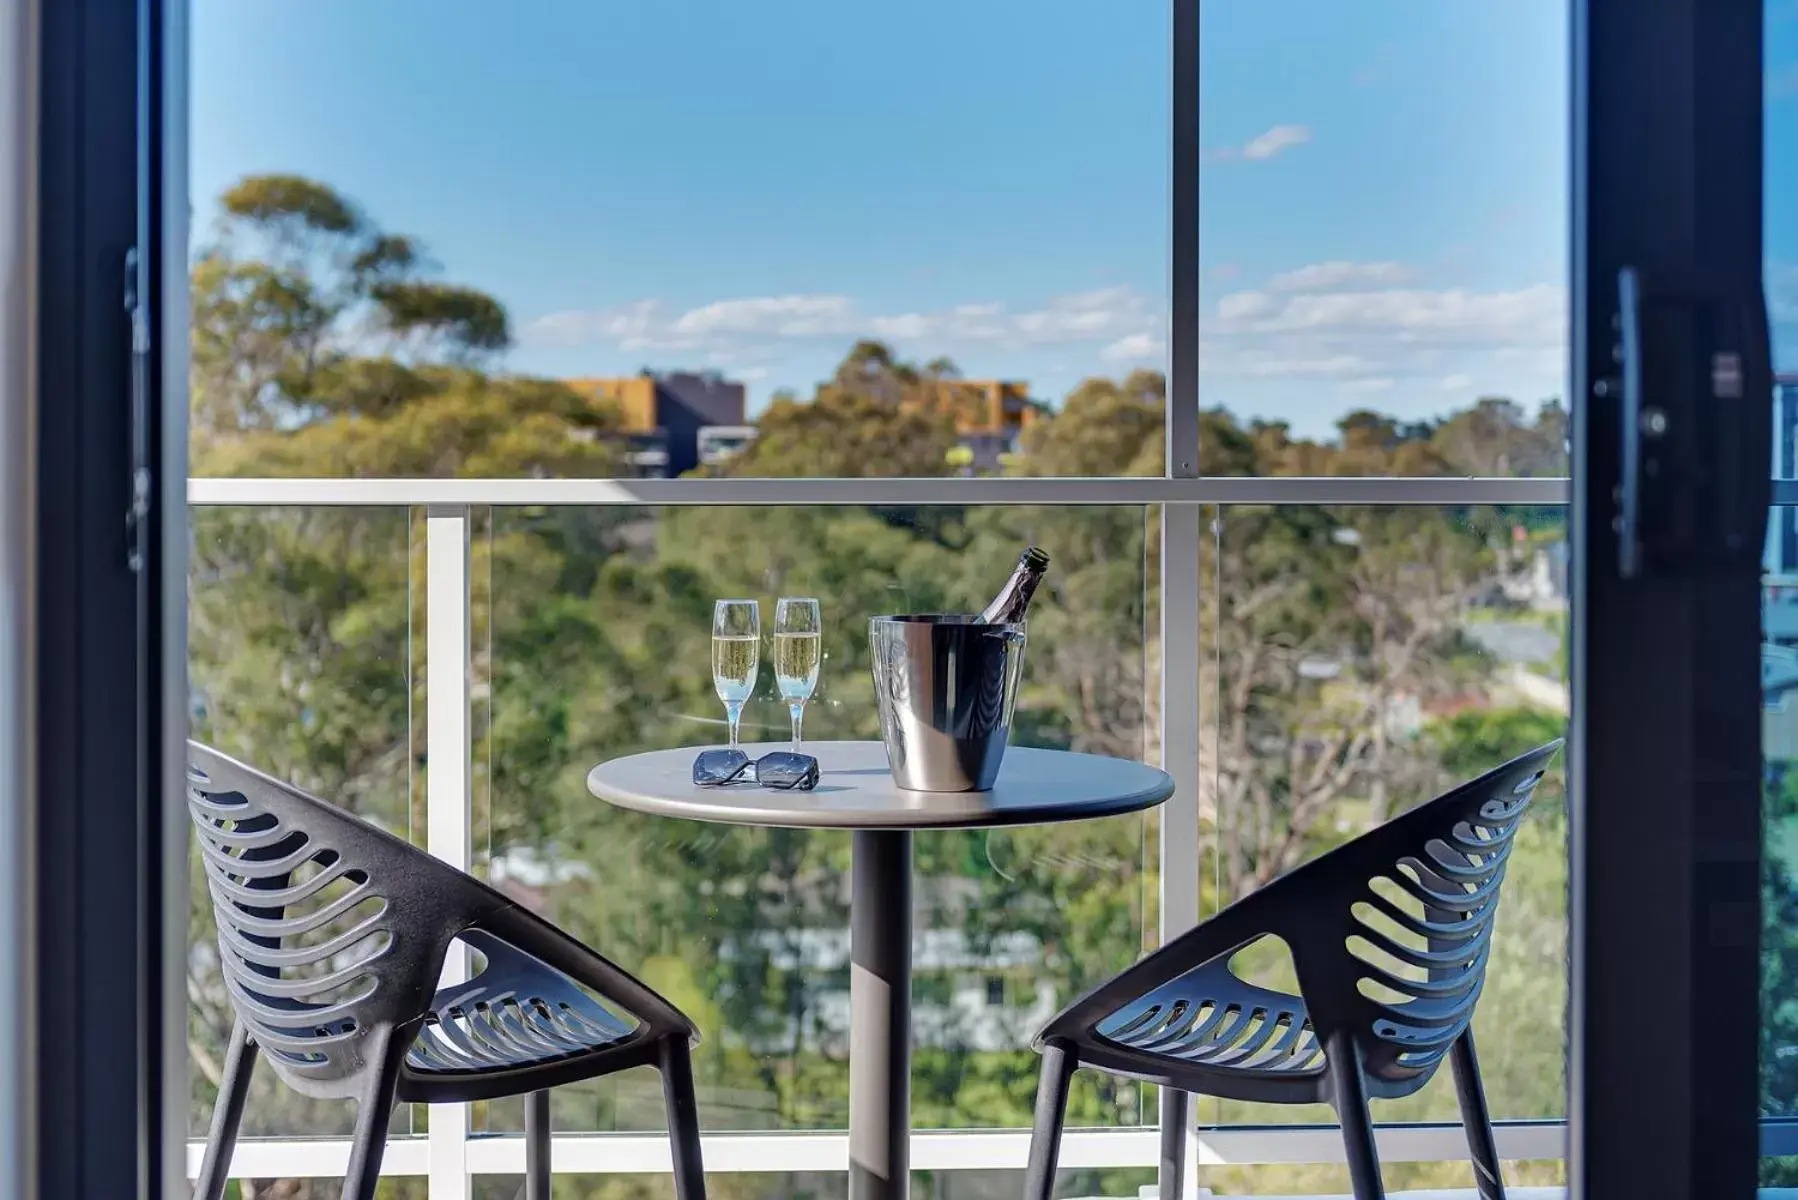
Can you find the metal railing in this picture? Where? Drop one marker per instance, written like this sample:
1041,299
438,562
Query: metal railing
450,1155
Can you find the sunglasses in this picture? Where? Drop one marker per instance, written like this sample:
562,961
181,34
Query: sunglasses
782,769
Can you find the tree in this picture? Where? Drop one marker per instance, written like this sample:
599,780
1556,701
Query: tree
1104,427
859,423
1496,437
844,433
296,288
302,658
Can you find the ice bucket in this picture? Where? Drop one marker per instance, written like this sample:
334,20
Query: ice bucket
945,688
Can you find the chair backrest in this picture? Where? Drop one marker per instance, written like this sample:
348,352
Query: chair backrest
329,929
1391,933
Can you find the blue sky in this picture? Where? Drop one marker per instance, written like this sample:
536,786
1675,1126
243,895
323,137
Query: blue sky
750,187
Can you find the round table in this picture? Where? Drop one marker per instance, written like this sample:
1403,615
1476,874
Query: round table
856,791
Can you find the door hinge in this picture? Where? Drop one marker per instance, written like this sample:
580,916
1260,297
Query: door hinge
137,515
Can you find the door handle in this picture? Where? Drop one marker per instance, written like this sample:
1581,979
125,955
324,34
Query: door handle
1695,424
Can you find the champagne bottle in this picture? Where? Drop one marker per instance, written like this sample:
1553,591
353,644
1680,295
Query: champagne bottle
1008,606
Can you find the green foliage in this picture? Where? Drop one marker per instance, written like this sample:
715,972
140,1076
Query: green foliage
464,319
1103,428
845,433
290,203
1479,739
288,302
1779,959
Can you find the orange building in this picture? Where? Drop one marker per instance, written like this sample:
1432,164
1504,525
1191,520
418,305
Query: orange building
666,415
989,416
980,406
676,421
635,397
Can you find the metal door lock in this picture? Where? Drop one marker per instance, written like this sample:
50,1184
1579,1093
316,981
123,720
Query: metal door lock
1683,504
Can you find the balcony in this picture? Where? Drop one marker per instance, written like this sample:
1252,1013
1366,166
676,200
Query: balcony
1247,391
352,634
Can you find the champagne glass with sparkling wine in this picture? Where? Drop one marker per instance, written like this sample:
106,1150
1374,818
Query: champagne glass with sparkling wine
796,654
736,655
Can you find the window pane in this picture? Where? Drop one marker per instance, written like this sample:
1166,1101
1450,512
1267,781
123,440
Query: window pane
599,624
1383,217
300,663
1779,871
1779,649
793,1185
1292,1182
1781,226
693,225
314,1188
1125,1184
1363,661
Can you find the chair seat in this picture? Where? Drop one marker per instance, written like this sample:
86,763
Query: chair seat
1210,1027
513,1022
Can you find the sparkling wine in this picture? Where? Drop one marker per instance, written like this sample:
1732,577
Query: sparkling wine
735,661
796,664
1008,607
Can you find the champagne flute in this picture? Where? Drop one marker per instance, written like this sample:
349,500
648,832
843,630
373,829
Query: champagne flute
736,655
797,643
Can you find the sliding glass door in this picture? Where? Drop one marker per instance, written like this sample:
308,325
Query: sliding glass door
1673,392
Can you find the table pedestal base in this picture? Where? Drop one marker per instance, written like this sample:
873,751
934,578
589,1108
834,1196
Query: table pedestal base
880,1016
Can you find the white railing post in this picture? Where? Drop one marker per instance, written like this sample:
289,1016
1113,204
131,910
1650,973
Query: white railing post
448,754
1181,527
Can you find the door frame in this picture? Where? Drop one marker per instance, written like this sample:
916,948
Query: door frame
105,844
1664,753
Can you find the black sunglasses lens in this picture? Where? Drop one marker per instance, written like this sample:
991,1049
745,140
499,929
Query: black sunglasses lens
714,767
792,772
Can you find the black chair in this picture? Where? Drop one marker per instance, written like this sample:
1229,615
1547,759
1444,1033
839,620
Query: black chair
332,937
1389,936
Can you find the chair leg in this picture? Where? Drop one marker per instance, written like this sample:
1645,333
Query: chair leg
1175,1115
536,1146
1348,1093
227,1115
683,1119
374,1111
1476,1119
1051,1107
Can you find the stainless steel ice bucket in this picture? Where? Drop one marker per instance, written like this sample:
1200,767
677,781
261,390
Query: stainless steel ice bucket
945,688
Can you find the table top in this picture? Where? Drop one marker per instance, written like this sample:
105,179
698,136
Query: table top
856,790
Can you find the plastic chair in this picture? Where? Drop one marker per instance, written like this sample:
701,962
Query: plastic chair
333,935
1389,935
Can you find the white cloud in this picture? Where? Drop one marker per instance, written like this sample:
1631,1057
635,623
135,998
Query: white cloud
905,327
1246,306
1135,347
730,327
1340,274
776,316
1337,323
1453,315
1276,141
1327,326
1276,362
624,325
1782,291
